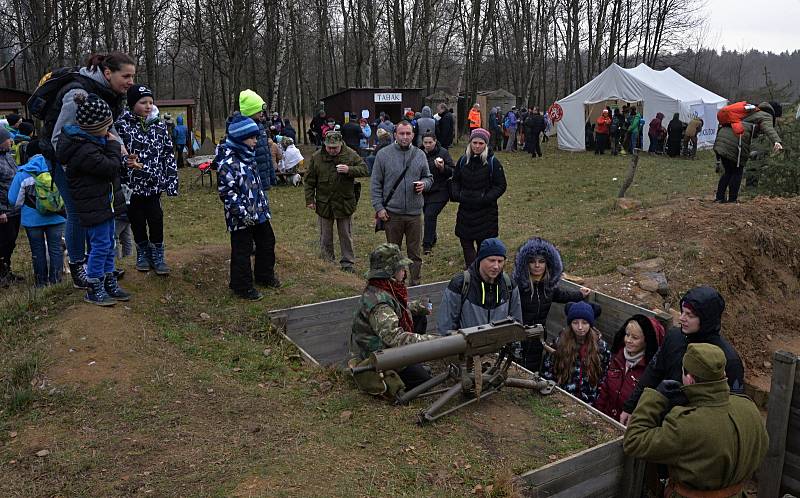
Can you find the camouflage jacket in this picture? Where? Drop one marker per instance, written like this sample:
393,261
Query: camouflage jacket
376,324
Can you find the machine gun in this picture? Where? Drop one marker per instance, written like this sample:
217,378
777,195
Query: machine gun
471,380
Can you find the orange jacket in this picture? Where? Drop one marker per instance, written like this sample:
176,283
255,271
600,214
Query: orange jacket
603,124
474,118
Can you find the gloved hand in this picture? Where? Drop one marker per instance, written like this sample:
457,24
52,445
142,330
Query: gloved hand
669,388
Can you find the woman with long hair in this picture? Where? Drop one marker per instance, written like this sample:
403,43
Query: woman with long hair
581,355
634,346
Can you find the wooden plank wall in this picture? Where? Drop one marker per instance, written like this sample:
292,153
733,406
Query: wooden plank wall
780,471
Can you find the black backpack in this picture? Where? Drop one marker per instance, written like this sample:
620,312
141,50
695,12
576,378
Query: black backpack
45,102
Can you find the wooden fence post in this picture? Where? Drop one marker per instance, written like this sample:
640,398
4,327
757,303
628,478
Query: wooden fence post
632,482
778,410
631,173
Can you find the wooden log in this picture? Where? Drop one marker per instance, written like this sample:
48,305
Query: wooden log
778,411
630,174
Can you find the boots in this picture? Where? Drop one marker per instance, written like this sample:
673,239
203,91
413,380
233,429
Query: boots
113,289
143,256
4,282
97,293
79,278
157,259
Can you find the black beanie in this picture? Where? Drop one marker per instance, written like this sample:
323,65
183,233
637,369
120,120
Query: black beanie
13,118
136,92
26,128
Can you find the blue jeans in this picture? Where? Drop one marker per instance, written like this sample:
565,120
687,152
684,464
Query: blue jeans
45,242
101,252
74,234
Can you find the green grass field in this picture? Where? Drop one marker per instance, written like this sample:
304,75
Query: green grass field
185,391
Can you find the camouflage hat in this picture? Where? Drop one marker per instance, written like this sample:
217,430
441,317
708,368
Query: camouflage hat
385,261
333,138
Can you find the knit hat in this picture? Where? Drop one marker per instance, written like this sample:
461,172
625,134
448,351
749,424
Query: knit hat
136,93
491,247
704,361
13,118
26,128
4,134
241,128
581,309
382,134
333,138
479,133
93,113
250,103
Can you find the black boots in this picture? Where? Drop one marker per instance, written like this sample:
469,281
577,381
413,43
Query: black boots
79,278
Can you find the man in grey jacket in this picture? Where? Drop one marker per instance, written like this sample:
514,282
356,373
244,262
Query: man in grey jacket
481,294
402,214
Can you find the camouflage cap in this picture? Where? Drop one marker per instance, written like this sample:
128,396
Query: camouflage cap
333,138
385,261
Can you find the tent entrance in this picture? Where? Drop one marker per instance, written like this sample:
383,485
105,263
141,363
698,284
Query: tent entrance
593,111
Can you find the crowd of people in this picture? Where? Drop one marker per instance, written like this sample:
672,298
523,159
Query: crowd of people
678,391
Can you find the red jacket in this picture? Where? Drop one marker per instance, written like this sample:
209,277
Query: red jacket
617,386
603,125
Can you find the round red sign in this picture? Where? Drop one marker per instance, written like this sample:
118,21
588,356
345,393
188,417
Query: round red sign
555,112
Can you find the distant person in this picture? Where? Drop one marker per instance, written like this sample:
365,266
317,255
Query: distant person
700,322
441,166
9,211
510,126
400,175
601,132
477,184
711,440
289,131
635,344
635,129
480,294
330,190
474,117
352,134
366,134
425,125
180,136
617,126
445,127
14,121
734,151
693,130
495,130
534,129
656,133
316,127
674,136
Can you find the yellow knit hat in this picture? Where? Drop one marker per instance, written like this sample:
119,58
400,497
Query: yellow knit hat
250,103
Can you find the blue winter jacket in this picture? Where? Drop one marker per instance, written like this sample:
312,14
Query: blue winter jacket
264,166
26,177
180,133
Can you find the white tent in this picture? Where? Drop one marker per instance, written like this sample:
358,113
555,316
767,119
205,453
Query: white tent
652,91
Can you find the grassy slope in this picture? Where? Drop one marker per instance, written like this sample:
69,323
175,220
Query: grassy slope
207,412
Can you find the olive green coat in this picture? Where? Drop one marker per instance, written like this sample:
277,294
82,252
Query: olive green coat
727,142
333,193
716,441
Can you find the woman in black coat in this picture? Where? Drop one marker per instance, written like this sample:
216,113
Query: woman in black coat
675,136
478,182
537,272
441,166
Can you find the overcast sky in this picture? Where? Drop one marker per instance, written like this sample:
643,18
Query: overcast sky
760,24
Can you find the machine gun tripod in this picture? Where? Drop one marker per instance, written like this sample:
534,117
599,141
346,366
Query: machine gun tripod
473,379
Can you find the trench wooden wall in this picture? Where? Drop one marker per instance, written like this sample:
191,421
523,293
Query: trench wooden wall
322,331
780,472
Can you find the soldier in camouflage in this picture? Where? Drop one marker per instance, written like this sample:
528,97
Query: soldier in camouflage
384,318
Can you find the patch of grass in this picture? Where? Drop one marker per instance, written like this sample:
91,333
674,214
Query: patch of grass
17,388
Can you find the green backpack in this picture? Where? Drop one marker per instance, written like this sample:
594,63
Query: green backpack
43,195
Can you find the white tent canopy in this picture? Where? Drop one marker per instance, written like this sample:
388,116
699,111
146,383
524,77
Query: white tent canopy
653,91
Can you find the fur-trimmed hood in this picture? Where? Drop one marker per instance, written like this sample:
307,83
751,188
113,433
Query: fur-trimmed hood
532,247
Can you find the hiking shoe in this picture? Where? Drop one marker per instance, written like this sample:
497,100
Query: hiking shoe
97,293
272,282
157,259
113,289
250,294
79,278
427,251
143,256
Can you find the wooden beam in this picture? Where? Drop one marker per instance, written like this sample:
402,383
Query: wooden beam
778,410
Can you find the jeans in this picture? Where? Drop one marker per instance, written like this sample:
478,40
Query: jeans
345,231
731,180
410,227
74,233
101,253
511,143
242,248
431,212
145,212
45,242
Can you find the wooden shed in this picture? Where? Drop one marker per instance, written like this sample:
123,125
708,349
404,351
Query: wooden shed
487,99
392,101
179,107
13,101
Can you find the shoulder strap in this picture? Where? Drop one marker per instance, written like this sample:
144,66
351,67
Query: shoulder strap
396,183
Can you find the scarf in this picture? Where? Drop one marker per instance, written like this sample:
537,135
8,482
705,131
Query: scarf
632,360
245,154
399,291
